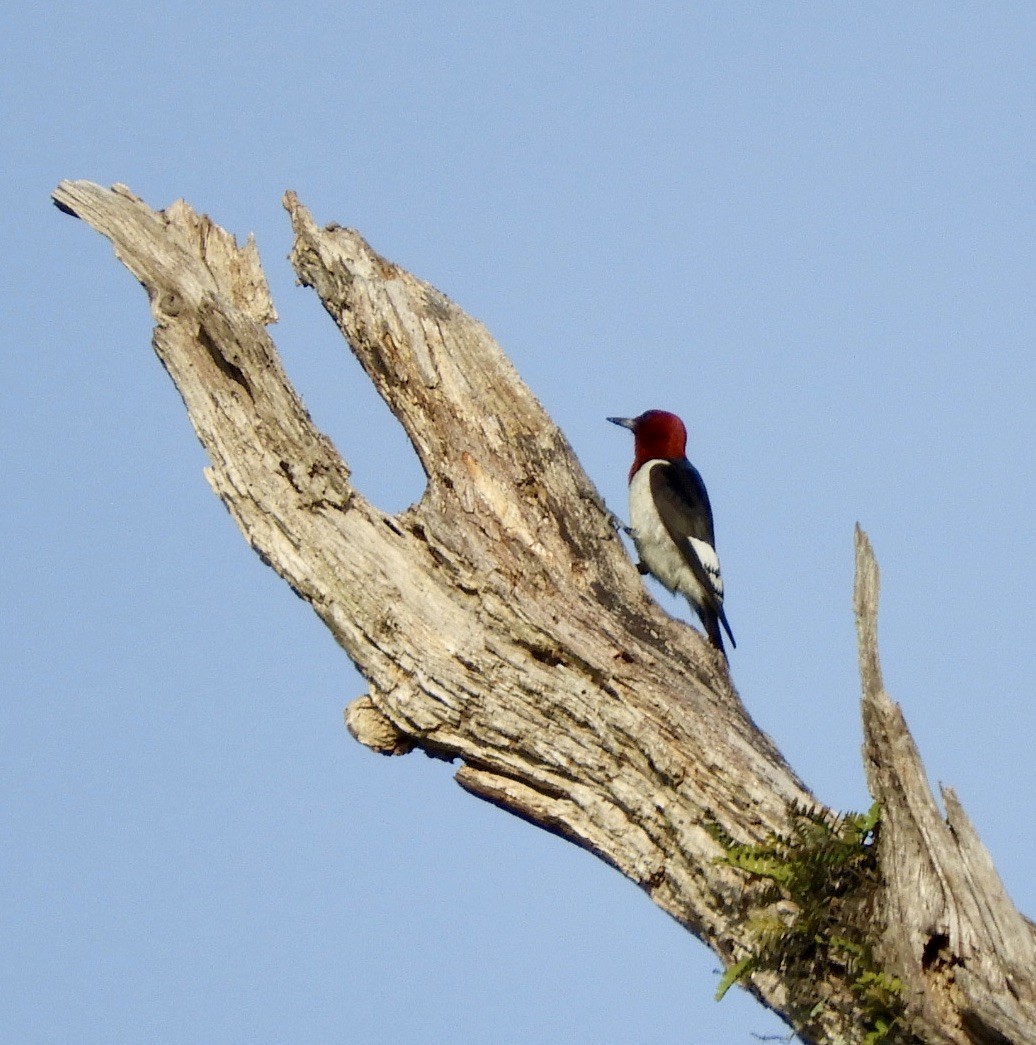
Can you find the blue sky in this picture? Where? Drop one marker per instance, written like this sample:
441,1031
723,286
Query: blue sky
808,229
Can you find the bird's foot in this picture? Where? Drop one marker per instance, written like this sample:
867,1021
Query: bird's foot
615,522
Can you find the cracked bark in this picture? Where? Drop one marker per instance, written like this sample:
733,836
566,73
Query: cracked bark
965,954
499,623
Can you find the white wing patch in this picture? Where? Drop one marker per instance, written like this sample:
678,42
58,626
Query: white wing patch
710,560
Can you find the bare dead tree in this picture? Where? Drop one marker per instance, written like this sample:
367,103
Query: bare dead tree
499,623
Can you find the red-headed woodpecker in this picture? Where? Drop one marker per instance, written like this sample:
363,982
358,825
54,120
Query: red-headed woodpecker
671,518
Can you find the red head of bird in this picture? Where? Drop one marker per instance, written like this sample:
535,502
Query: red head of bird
657,435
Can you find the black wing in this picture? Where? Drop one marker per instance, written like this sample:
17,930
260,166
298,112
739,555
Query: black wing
683,501
683,506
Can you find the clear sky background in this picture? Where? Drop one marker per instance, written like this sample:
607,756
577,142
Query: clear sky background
809,229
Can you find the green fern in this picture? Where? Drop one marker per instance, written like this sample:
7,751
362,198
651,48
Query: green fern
738,971
825,866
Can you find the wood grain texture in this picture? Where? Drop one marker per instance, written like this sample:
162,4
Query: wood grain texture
966,955
499,622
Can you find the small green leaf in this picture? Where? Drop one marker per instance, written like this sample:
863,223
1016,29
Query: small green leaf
738,971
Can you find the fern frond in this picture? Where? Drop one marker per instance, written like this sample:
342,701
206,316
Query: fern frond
738,971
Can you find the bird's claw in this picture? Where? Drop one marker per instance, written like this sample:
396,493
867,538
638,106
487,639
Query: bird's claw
616,523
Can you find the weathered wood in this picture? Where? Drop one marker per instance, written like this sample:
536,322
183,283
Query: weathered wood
965,954
498,621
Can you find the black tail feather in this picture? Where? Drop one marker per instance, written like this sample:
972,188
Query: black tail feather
710,619
726,626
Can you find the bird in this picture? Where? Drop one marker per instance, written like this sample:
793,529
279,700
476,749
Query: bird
671,518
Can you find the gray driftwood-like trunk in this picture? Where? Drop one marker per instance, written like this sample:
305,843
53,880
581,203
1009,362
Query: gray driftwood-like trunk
499,623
